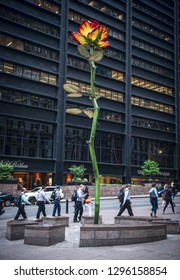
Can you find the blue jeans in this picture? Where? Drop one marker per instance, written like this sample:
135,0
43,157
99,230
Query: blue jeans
57,207
154,203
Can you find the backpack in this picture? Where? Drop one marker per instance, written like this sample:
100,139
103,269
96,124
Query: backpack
17,200
53,195
121,195
74,196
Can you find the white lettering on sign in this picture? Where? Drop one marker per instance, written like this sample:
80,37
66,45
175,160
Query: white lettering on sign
16,164
165,174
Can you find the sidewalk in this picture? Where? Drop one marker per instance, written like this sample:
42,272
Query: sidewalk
168,249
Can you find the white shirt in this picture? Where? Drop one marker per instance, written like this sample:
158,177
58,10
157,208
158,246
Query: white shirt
126,195
42,196
80,195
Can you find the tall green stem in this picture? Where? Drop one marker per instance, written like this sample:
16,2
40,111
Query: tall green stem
91,144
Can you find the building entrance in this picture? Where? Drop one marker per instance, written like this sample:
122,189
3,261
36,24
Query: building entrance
30,180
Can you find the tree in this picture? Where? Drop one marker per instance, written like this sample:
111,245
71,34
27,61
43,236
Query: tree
91,38
6,170
150,168
77,172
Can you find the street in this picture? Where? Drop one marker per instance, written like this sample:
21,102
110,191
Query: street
111,205
167,249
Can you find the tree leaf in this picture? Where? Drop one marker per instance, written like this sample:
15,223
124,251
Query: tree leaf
71,88
74,111
83,51
89,113
96,56
75,94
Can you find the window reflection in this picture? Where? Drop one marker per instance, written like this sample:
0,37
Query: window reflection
25,98
33,48
151,105
143,149
29,22
103,92
108,146
29,73
105,71
26,138
151,86
47,5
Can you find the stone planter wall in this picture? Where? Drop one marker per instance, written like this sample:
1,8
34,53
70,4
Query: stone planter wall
56,221
90,220
105,190
15,229
111,235
9,187
172,227
44,235
108,190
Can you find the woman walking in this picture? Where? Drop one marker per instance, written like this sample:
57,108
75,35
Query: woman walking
154,200
168,195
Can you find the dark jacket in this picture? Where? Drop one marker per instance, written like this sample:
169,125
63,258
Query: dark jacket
168,194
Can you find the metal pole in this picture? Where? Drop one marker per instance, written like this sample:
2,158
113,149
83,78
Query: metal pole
67,206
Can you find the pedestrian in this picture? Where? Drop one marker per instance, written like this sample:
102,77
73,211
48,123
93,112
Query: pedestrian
79,203
154,200
121,195
163,195
87,203
168,194
58,195
21,206
41,200
174,192
126,202
2,211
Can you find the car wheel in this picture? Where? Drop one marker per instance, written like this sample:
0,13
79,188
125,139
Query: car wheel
32,200
7,203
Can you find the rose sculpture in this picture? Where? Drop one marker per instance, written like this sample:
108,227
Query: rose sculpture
92,39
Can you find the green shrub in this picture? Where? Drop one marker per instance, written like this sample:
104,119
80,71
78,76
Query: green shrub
6,170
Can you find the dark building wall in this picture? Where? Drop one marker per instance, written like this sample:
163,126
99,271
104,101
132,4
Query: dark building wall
143,49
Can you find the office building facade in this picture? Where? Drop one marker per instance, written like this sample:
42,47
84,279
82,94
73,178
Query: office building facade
137,83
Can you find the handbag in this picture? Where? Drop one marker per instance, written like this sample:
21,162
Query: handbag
88,200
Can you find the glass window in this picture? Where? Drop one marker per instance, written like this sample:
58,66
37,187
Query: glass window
52,79
19,45
9,42
35,75
2,39
27,73
8,68
44,77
